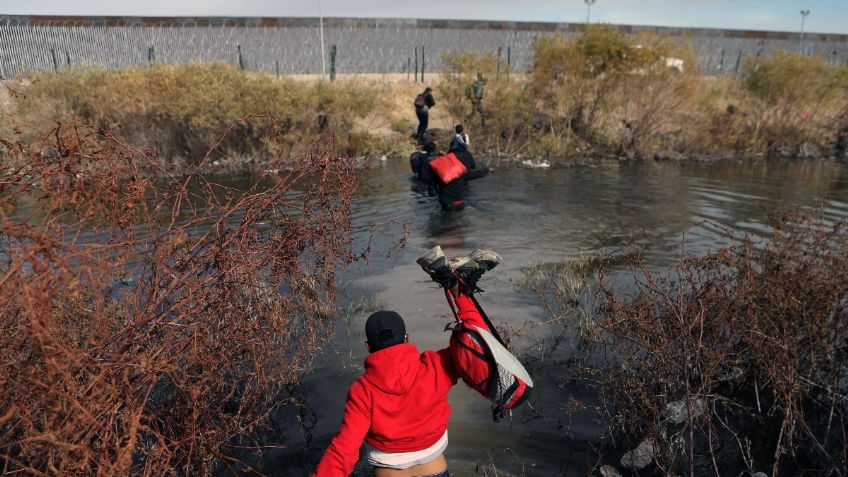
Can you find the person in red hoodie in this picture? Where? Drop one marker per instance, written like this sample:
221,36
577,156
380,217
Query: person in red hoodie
399,406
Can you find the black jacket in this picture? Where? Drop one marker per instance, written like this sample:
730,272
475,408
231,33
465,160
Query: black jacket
456,191
429,101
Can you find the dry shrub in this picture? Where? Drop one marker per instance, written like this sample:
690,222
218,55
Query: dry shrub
618,92
180,110
792,99
151,327
603,90
736,360
750,340
640,96
507,113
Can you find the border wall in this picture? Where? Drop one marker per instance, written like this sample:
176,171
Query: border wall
292,45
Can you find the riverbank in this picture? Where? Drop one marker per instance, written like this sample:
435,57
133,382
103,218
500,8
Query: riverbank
599,96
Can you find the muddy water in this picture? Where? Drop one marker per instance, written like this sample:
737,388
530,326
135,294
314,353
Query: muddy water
532,216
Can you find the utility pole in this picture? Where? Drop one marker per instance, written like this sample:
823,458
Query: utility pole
589,4
321,29
804,14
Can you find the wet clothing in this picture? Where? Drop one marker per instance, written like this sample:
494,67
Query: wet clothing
460,143
399,405
423,115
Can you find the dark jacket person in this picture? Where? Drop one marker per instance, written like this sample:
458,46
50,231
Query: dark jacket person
453,194
423,103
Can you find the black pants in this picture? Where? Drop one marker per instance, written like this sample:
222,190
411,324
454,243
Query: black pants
423,121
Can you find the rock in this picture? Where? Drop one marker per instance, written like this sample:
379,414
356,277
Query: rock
640,457
677,412
216,163
609,471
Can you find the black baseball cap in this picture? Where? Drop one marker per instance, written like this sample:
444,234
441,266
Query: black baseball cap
384,329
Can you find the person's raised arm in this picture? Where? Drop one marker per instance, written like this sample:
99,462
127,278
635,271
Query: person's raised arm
467,310
343,452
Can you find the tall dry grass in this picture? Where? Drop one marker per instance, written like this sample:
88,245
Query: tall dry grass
179,110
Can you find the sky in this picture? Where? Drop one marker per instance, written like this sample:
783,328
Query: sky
826,16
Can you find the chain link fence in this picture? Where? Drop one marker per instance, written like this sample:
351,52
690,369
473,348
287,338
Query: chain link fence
292,45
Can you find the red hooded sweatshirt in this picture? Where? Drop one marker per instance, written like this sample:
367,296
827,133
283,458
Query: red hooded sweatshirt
400,404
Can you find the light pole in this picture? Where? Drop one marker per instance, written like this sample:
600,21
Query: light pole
804,14
321,29
589,4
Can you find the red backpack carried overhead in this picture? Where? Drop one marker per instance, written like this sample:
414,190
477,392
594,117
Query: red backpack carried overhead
448,168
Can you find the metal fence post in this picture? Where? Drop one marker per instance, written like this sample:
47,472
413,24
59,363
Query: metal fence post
738,62
55,62
67,59
333,63
721,61
408,66
423,63
508,60
241,60
498,70
277,67
416,64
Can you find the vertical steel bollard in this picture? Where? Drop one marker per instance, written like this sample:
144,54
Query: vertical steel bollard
55,62
416,64
423,63
333,63
241,60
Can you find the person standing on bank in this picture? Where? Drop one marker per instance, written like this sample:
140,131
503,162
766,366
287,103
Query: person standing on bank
423,102
475,94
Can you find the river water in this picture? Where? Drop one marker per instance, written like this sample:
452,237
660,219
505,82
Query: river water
531,216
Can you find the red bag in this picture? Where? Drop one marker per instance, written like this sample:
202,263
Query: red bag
489,368
448,168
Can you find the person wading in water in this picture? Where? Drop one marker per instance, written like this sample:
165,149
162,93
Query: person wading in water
399,406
